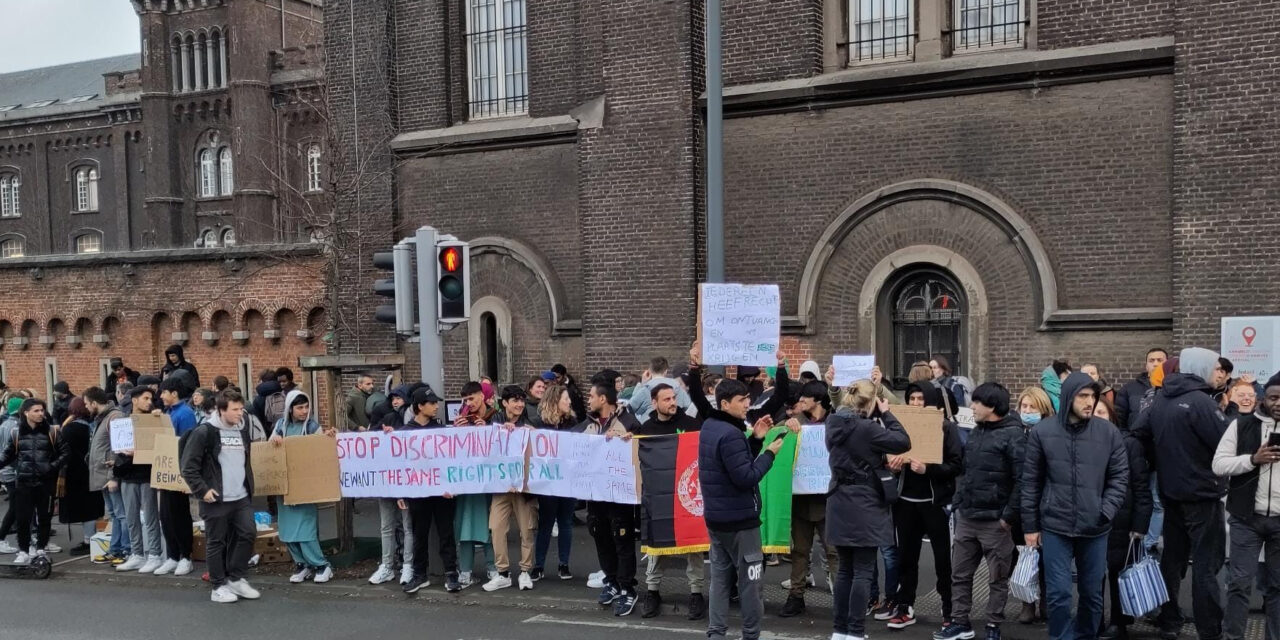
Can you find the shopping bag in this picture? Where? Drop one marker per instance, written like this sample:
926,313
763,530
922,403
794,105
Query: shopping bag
1025,582
1141,586
100,544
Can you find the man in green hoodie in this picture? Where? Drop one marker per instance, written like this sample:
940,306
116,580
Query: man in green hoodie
357,400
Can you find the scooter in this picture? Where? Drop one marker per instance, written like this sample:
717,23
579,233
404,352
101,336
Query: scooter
39,568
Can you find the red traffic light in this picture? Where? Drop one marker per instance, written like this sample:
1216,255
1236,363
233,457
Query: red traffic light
451,259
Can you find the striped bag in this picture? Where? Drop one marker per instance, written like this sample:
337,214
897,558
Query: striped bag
1142,588
1024,584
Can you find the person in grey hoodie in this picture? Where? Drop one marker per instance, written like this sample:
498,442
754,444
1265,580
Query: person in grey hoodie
1075,477
641,402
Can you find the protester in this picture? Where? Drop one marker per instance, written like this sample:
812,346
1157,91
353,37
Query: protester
960,387
38,454
220,384
1095,373
986,509
9,475
1221,378
1033,406
175,360
1240,399
101,461
429,511
124,397
1182,430
175,506
395,521
1051,381
202,403
534,391
79,504
1075,477
284,376
357,416
563,377
555,514
471,511
659,372
119,374
513,505
61,402
134,483
1129,400
808,512
216,465
299,524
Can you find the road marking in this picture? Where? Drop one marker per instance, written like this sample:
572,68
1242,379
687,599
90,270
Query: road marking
548,619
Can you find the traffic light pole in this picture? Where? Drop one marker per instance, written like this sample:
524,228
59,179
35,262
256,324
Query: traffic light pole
430,351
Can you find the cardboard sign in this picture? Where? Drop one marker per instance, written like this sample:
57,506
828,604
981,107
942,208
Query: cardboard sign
270,469
924,425
850,369
1252,344
577,465
145,429
812,473
739,324
121,435
419,463
312,462
166,469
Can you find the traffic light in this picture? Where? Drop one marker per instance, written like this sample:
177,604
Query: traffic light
453,280
402,312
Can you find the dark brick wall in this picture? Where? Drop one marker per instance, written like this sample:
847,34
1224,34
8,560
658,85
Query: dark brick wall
419,97
771,39
1074,23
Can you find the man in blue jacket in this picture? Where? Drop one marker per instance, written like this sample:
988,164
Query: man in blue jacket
730,466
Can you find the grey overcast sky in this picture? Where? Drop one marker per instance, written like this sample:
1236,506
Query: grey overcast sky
42,33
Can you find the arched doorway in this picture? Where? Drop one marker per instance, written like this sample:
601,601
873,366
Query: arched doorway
926,310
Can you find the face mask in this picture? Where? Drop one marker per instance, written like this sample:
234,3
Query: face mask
1030,419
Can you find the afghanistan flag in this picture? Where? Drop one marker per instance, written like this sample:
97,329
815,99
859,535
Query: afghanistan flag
775,496
671,497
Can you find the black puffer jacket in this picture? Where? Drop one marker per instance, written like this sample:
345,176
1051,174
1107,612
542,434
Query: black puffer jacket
1129,401
988,489
1135,515
37,455
1181,432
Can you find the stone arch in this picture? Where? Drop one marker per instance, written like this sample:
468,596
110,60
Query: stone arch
561,323
485,310
83,330
247,306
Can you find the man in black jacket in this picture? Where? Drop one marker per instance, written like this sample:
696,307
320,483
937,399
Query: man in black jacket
215,464
175,359
1074,480
1181,432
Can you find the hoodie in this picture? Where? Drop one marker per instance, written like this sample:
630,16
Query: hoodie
989,488
169,367
1052,386
938,482
216,456
287,426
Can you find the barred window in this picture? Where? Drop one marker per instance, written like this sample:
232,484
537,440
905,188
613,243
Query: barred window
208,179
226,182
985,24
497,67
882,29
11,248
10,195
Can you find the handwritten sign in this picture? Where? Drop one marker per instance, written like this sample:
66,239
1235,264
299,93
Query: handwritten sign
121,434
924,426
964,418
812,473
739,324
577,465
270,469
431,462
850,369
312,463
166,470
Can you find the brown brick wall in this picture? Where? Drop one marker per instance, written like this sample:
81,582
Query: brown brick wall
771,39
1075,23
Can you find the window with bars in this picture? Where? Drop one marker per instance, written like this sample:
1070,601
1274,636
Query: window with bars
10,195
882,29
89,243
928,317
497,65
313,168
987,24
11,248
86,189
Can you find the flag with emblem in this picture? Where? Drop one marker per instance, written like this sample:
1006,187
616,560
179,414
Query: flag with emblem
671,497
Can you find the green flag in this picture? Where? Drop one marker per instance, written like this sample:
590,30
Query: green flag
775,495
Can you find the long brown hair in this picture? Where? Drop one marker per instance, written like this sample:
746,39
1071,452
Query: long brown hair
549,408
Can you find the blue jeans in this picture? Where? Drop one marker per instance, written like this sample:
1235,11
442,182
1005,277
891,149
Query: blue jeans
1157,515
1089,555
890,554
557,511
119,526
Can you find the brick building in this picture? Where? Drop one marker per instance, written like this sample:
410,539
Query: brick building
1001,181
167,197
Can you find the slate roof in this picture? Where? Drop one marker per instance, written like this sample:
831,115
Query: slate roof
62,88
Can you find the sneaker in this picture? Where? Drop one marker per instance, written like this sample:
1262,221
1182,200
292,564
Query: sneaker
150,566
596,580
697,607
184,567
5,547
564,572
536,573
324,576
831,584
608,595
952,631
793,607
873,606
132,564
117,561
167,567
526,581
1114,632
841,636
625,604
886,610
464,580
81,549
493,573
406,573
301,574
499,582
771,560
105,558
414,584
786,584
223,595
52,548
993,632
451,583
241,588
383,575
905,617
651,606
22,558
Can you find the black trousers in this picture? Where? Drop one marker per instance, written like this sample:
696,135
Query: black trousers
613,528
32,502
175,524
1196,531
6,525
423,512
229,533
914,521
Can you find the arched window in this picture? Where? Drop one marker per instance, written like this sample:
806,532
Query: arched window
89,242
229,237
215,59
11,248
489,346
313,168
489,339
208,179
226,183
928,319
209,238
86,189
10,195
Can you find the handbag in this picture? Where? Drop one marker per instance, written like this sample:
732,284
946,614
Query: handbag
1024,584
1141,585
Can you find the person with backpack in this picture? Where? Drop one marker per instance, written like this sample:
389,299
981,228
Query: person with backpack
299,524
38,455
960,387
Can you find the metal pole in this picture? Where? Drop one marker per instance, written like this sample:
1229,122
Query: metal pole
715,148
430,352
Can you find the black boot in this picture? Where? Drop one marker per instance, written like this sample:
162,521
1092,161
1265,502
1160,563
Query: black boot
697,607
793,607
652,605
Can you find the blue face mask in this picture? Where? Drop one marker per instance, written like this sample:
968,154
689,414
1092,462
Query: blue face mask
1029,419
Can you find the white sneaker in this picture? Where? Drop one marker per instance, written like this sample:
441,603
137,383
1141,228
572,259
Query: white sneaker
52,548
526,581
493,574
383,575
41,553
5,547
150,566
406,573
166,568
241,588
786,584
555,530
464,579
132,563
301,575
223,595
22,558
596,580
324,576
184,567
498,582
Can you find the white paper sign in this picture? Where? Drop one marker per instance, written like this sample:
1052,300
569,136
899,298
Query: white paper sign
420,463
850,369
577,465
965,419
121,434
741,324
1252,344
812,474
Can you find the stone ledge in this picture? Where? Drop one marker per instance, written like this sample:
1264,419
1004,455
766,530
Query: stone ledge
150,256
486,132
1130,318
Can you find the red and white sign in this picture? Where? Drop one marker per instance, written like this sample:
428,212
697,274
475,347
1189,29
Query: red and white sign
1250,343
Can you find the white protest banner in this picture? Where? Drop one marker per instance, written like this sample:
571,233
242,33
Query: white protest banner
1252,344
419,463
121,434
739,324
577,465
812,473
850,369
